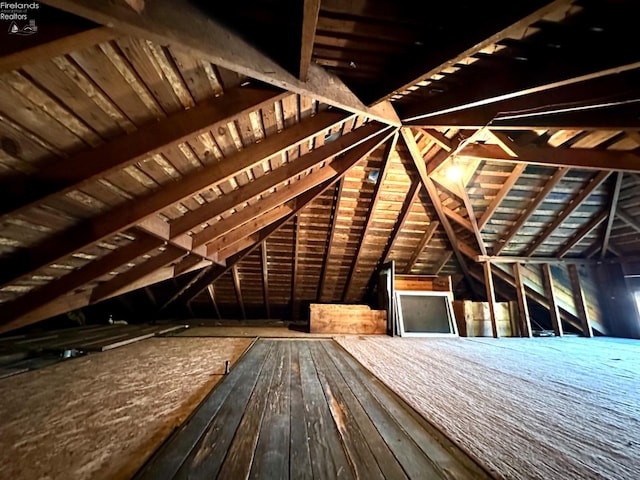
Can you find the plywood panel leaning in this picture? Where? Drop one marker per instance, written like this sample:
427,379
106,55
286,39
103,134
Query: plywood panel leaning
356,319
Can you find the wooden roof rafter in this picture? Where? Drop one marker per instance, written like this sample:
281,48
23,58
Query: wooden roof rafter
195,31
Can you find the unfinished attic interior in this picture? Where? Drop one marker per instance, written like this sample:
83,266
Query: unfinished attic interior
320,239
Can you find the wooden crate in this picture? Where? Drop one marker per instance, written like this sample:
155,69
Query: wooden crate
474,318
357,319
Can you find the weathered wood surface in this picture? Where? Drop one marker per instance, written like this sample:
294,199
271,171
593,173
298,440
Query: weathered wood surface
474,319
356,319
305,409
579,418
101,416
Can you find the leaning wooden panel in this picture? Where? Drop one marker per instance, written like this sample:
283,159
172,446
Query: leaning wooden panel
356,319
129,400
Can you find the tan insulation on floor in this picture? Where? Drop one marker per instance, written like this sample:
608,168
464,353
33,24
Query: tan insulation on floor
101,416
543,409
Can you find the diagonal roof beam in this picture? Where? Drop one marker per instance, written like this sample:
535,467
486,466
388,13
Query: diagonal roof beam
133,212
238,289
577,237
574,106
75,172
389,149
574,204
467,44
14,312
183,24
54,47
416,156
122,280
426,238
280,175
330,238
583,158
265,277
532,207
613,204
310,11
501,195
295,195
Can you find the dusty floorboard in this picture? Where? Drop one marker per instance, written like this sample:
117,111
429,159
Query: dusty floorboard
249,331
306,409
101,416
526,408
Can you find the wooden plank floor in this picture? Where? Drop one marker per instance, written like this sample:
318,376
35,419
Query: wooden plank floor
304,409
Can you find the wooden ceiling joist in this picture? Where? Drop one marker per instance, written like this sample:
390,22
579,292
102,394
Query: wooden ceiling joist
65,175
574,204
39,297
196,32
582,158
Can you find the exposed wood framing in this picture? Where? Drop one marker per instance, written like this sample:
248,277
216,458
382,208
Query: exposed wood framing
443,262
491,297
15,313
280,175
238,289
330,237
294,267
525,319
389,149
580,301
212,296
580,234
63,176
449,58
264,260
574,204
418,161
195,31
310,11
533,206
506,114
426,238
583,158
518,83
127,215
472,220
613,204
500,196
628,219
56,47
550,292
104,290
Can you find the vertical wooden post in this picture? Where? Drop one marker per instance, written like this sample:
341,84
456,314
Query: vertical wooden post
491,297
580,302
294,273
550,292
525,319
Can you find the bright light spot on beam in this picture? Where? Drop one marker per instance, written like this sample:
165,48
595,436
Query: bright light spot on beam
454,172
